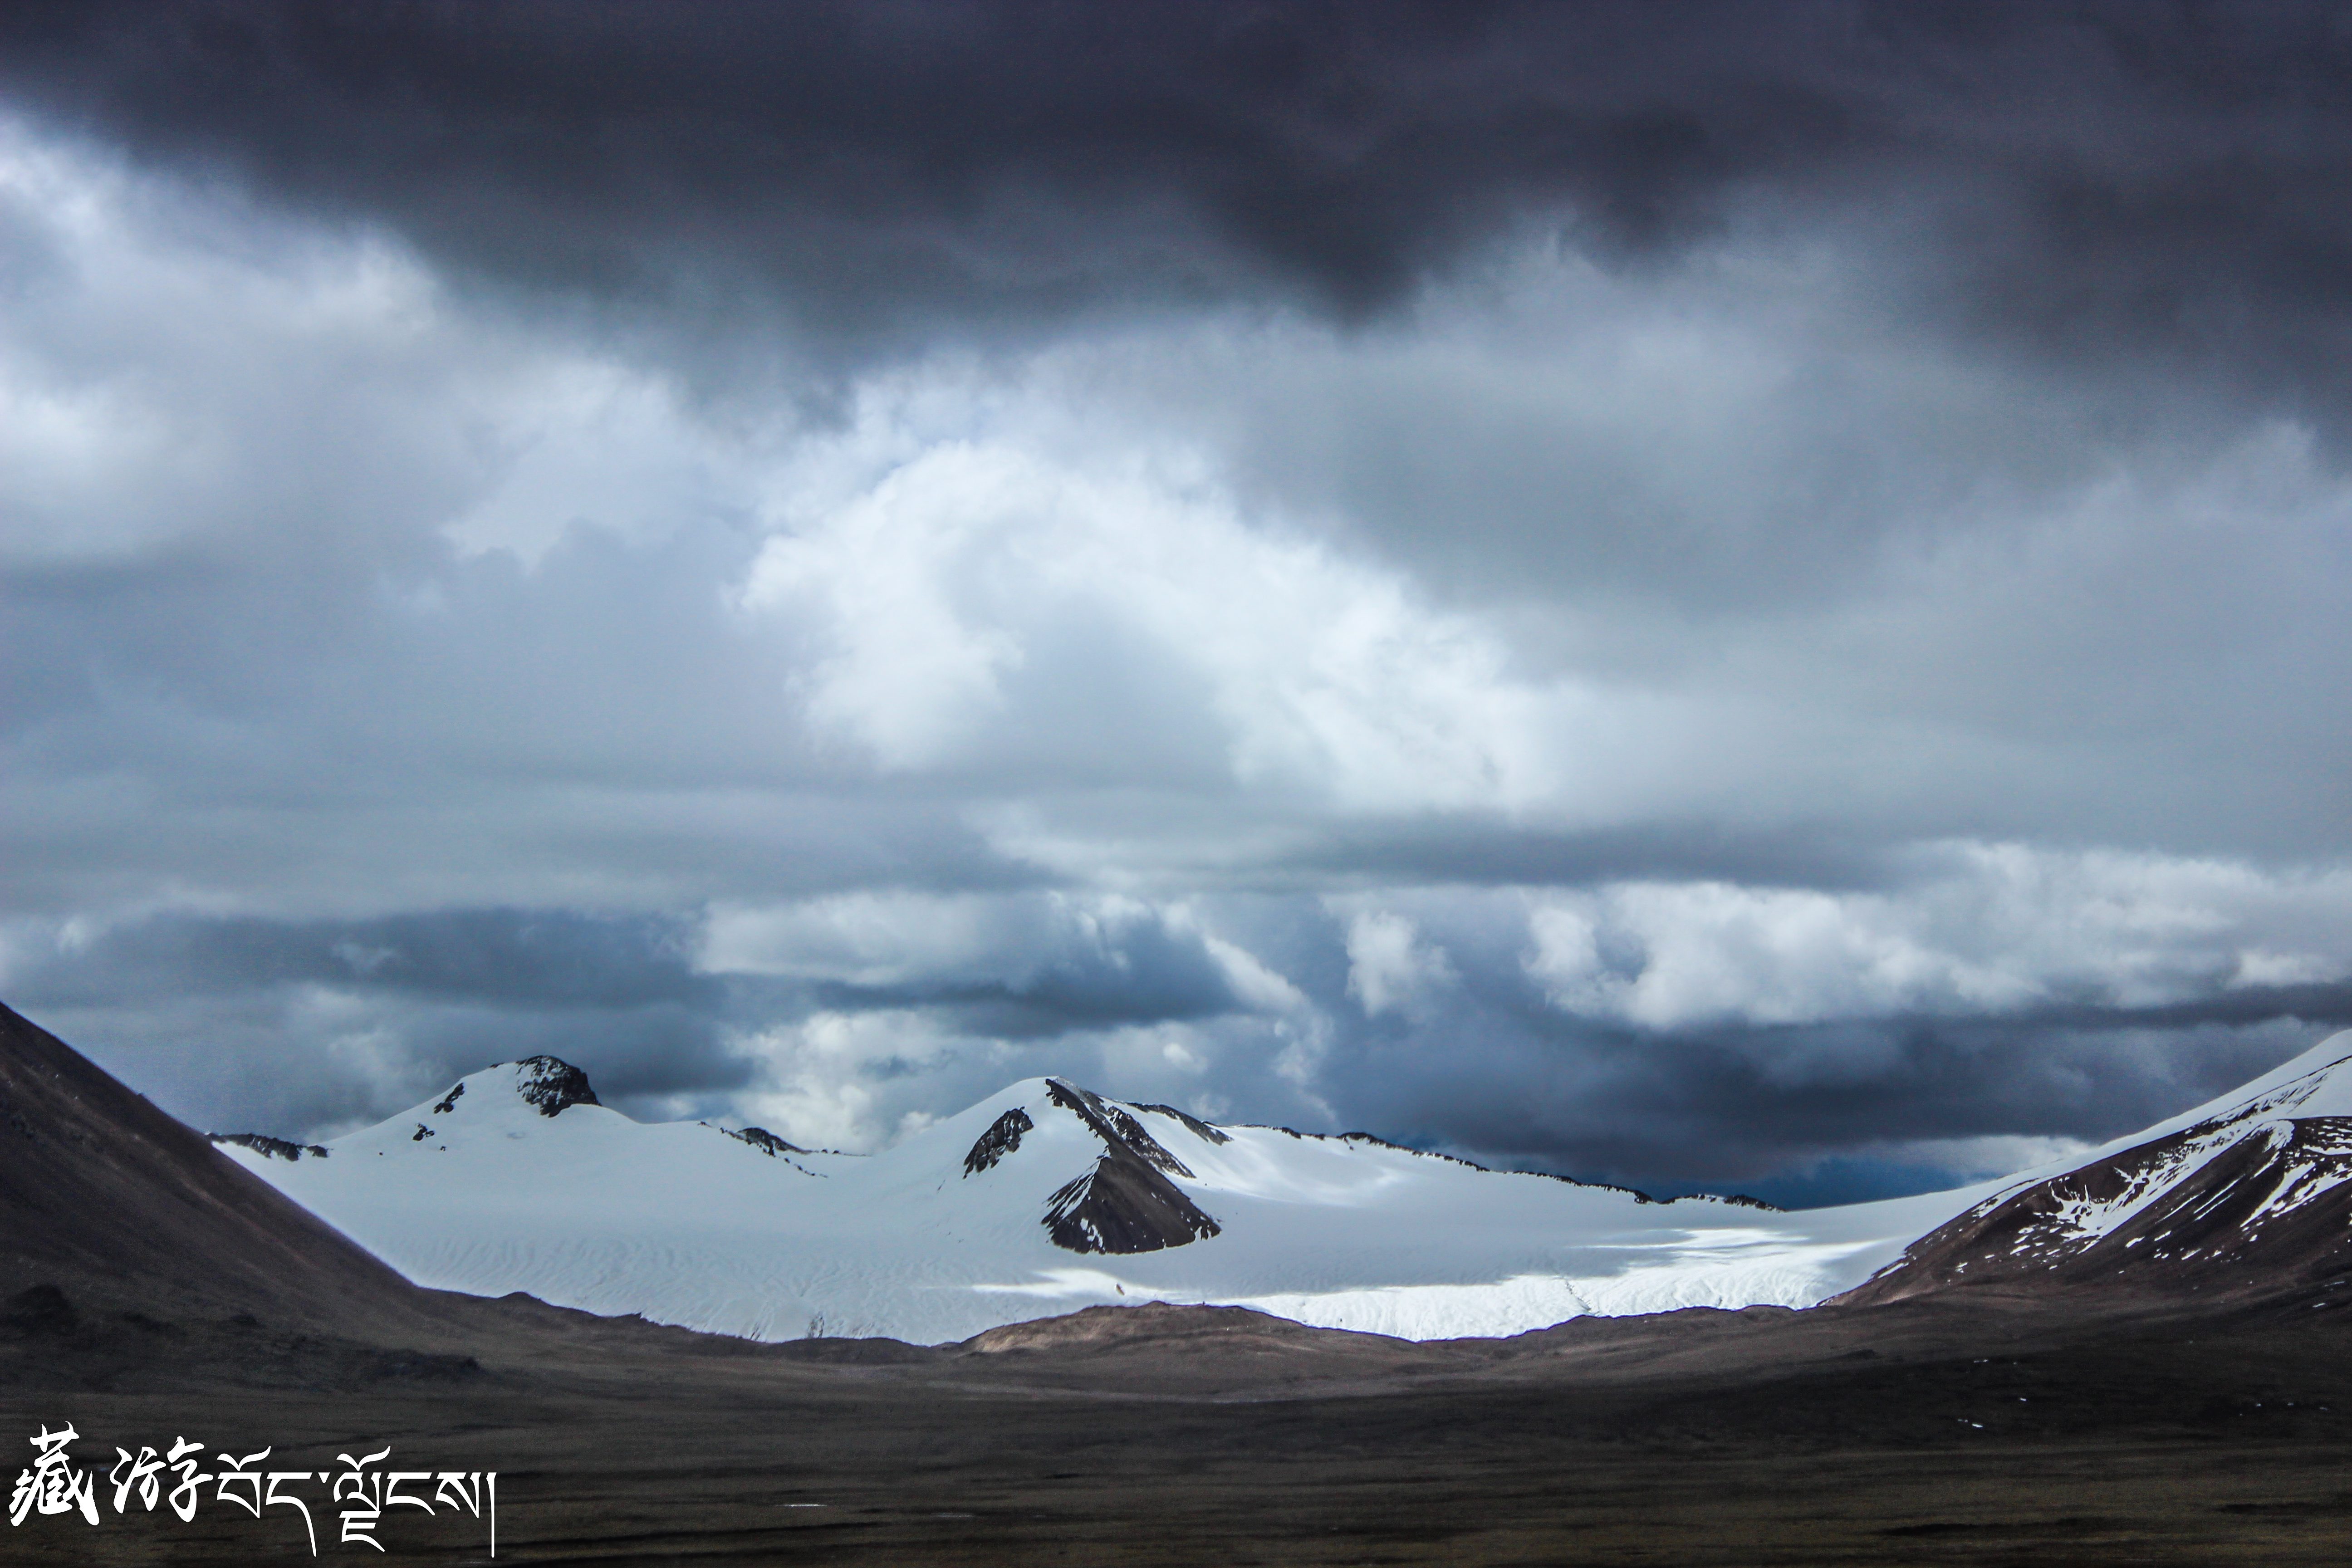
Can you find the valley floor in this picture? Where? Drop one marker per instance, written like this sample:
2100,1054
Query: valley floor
1956,1434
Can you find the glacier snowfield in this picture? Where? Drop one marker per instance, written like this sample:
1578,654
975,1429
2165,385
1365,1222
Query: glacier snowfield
482,1190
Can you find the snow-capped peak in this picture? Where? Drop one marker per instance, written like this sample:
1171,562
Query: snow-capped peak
547,1105
548,1085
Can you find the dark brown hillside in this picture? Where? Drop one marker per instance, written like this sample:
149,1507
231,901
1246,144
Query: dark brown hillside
2267,1212
118,1207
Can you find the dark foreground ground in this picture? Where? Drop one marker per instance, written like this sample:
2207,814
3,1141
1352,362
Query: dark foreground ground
1943,1432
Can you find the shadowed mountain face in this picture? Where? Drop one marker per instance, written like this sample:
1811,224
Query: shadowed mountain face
108,1202
1126,1204
2252,1201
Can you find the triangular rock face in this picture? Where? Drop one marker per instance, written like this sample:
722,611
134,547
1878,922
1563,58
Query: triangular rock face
107,1199
2253,1199
1120,1206
1126,1204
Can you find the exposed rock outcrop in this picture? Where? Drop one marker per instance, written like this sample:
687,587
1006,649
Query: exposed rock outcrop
1002,1137
1199,1127
1114,1126
551,1084
279,1148
1123,1206
760,1138
1126,1204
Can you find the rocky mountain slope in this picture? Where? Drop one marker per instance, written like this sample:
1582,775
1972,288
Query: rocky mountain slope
2249,1193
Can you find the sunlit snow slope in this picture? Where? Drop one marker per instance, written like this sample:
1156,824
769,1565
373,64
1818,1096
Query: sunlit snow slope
1029,1205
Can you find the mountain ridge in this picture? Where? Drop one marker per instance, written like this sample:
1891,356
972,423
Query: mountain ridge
1048,1197
1045,1197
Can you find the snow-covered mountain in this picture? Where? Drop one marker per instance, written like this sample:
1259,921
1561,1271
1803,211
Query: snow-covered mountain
1048,1198
1041,1199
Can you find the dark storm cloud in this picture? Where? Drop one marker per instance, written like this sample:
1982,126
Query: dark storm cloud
2328,1004
1486,1063
1162,981
2082,181
1023,967
241,1016
485,957
1754,1109
238,1014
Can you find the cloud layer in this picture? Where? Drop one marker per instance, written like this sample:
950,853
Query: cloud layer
2097,179
1718,596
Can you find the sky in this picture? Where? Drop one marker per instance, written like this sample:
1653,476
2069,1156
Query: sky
1711,596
